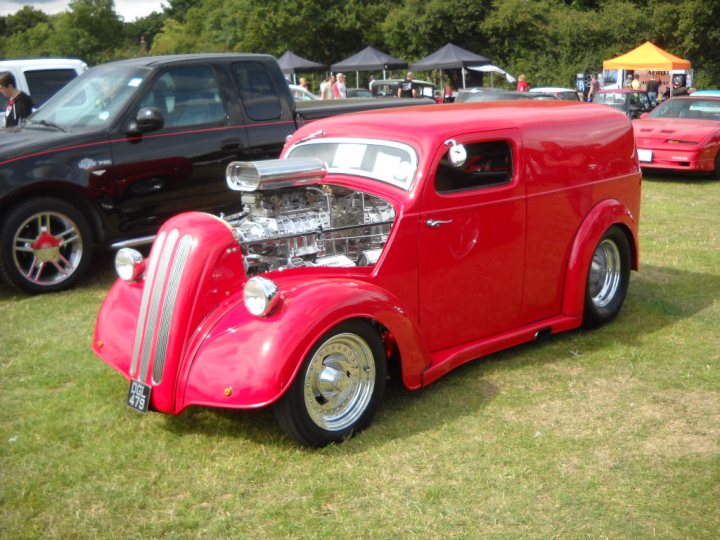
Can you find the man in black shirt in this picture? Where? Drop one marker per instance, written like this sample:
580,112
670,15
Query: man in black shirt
407,88
19,106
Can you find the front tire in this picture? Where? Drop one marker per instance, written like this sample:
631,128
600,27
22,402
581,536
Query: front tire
45,246
608,278
338,388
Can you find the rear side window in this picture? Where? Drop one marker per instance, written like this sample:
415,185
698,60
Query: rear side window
257,90
488,163
43,83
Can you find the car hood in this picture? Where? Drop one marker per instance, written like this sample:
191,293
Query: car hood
18,143
675,128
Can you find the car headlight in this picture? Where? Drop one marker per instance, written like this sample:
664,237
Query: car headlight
261,296
129,264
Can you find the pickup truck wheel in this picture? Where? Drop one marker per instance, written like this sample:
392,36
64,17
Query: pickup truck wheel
608,278
338,387
45,246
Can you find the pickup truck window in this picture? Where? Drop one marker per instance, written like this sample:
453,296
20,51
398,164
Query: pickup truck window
488,163
186,96
257,90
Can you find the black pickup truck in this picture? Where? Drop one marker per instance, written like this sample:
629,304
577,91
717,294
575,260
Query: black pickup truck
127,145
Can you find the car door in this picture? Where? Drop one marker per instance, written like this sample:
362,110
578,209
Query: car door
180,167
472,242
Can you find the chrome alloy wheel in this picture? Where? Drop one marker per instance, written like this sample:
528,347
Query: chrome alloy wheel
47,248
605,273
339,382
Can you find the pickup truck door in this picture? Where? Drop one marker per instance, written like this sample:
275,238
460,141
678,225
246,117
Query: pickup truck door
180,167
472,242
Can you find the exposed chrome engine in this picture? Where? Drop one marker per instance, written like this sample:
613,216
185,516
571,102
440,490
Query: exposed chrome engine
311,226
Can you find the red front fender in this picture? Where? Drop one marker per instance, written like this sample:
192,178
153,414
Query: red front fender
248,362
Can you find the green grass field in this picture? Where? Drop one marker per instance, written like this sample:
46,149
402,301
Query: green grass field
613,433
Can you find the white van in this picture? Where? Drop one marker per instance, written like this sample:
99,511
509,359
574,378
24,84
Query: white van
41,77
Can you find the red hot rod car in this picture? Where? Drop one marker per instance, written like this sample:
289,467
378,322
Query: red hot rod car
427,237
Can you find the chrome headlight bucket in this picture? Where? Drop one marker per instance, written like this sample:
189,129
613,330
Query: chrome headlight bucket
261,296
129,264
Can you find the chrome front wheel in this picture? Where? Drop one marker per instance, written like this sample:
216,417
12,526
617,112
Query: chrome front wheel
338,388
339,382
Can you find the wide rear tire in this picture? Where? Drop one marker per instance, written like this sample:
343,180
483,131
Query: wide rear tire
608,278
338,388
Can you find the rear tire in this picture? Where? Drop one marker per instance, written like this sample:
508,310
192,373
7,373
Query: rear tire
338,388
45,246
608,278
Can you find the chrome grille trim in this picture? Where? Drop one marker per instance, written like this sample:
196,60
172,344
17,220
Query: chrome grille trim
173,286
149,282
155,299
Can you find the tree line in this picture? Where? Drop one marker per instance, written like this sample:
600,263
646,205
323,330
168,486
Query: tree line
550,41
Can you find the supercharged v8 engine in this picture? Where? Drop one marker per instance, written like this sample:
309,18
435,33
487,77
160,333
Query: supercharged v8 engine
316,225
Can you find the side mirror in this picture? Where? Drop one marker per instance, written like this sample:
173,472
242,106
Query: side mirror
147,119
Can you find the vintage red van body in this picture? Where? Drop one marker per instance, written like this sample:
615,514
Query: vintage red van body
427,237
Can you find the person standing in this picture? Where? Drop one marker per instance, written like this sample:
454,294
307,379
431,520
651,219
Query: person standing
635,84
522,85
19,106
326,88
652,87
339,88
594,87
407,88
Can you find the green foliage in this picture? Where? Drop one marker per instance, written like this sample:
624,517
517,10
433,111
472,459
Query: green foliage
547,40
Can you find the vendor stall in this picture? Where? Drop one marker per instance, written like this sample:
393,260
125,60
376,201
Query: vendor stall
647,61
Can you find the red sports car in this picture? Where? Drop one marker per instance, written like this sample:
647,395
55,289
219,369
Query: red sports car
682,134
422,237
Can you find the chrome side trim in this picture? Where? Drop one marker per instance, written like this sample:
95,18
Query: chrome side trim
168,308
142,316
141,241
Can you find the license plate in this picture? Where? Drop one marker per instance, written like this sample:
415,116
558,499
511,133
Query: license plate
139,396
645,155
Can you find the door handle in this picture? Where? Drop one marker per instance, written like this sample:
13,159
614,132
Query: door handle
231,144
435,223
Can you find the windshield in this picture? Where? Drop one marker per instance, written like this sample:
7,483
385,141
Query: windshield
386,161
91,100
694,108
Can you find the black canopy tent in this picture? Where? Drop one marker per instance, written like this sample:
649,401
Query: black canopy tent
450,56
291,63
369,59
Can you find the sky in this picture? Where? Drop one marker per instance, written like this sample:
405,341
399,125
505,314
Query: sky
129,10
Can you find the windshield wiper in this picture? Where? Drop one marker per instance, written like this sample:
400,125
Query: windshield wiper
49,124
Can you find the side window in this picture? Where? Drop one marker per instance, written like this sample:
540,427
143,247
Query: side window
257,90
488,163
187,96
43,83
